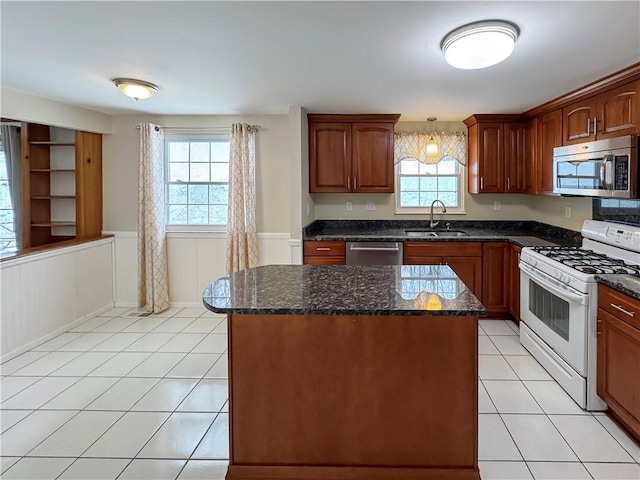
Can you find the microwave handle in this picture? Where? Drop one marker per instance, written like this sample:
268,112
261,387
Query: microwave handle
608,172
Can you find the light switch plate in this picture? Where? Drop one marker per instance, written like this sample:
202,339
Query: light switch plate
567,212
497,205
349,206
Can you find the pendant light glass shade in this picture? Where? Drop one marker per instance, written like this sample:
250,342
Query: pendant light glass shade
480,44
433,146
136,89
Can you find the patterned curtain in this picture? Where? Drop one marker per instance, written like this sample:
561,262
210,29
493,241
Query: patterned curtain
153,283
11,145
414,145
242,240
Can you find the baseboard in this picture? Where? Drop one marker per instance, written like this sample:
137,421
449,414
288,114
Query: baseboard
55,333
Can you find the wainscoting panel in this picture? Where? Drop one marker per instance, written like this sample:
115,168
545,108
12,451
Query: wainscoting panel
195,259
46,293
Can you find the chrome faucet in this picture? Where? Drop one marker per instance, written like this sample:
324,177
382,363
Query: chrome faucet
433,224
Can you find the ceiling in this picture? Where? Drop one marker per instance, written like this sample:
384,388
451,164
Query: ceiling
249,58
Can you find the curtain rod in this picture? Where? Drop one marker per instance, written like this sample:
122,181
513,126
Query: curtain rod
195,129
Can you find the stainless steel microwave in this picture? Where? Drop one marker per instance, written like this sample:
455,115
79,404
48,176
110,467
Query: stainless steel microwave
604,168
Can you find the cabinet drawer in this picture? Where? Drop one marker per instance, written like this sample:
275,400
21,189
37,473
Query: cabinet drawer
422,260
323,260
620,305
448,249
326,249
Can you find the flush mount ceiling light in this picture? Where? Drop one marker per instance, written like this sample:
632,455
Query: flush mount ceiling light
479,44
136,89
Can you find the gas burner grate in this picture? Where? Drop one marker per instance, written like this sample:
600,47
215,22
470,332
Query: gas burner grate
587,261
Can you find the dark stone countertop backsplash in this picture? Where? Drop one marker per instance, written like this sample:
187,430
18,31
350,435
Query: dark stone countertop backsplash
522,233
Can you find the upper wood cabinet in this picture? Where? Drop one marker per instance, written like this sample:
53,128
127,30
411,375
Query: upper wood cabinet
351,153
609,114
531,156
61,185
496,154
549,136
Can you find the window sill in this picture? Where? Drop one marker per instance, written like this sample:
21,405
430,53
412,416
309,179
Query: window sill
428,212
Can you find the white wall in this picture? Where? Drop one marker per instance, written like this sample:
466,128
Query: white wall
29,108
44,294
120,167
195,260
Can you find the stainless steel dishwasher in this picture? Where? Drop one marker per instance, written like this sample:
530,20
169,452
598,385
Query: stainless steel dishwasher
374,253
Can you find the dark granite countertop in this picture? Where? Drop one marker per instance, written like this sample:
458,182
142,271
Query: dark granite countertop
629,284
343,290
522,233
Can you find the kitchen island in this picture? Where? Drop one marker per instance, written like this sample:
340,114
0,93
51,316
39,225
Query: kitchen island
350,372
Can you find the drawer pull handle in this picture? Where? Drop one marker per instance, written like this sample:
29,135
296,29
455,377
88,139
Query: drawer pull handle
618,307
323,249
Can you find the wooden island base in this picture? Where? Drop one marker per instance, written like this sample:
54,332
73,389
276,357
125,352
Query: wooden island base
376,397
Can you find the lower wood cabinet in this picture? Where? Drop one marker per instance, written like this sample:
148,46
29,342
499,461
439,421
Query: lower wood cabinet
514,281
495,276
619,356
324,253
464,258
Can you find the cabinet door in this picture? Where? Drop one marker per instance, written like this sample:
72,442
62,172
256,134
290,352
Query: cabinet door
619,111
372,157
549,137
469,269
619,368
530,156
578,122
514,282
329,157
514,154
495,276
88,185
491,157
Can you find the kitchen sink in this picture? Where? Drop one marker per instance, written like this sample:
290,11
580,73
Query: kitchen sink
434,233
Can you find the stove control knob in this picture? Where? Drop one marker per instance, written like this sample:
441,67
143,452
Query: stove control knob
558,275
533,262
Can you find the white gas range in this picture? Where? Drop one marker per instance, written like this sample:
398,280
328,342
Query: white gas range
558,302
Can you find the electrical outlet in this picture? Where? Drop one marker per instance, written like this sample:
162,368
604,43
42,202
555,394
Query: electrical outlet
349,206
567,212
370,206
497,205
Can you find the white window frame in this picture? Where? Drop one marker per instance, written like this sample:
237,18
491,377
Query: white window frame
422,210
203,227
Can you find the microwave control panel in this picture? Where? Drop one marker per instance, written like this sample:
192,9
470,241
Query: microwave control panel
621,173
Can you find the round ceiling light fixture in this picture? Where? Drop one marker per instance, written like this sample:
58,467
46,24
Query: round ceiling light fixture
479,44
136,89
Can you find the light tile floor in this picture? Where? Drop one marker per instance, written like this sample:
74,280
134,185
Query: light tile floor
146,398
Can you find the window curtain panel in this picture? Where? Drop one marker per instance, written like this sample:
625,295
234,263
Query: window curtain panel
414,145
153,277
242,239
11,146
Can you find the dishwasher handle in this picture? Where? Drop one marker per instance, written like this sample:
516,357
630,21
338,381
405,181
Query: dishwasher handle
395,248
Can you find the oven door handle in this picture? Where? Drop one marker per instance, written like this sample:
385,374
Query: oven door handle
553,285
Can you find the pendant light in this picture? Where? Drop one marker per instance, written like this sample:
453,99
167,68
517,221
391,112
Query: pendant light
433,146
479,44
136,89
